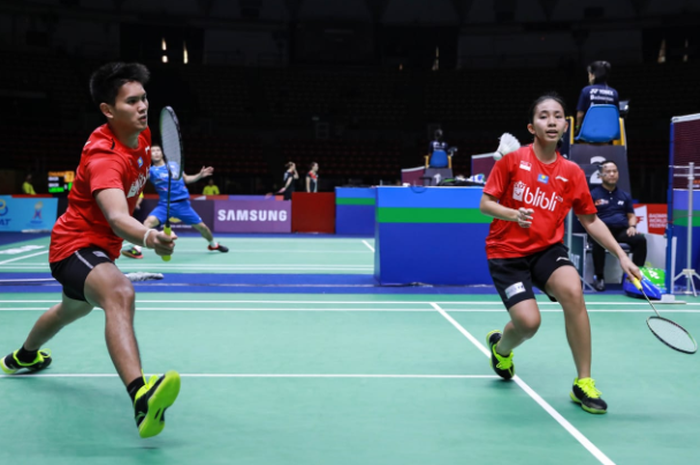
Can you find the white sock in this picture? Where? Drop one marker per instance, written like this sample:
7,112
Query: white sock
213,243
137,247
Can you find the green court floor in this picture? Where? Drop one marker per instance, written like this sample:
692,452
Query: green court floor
247,255
352,379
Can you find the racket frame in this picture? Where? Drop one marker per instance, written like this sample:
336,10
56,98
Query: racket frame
639,286
168,229
677,326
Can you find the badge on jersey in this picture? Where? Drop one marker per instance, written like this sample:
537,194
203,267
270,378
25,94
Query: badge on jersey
542,178
140,162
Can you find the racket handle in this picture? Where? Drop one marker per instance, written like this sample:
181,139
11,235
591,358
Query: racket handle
636,283
168,230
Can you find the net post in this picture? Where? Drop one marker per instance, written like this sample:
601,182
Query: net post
689,252
670,239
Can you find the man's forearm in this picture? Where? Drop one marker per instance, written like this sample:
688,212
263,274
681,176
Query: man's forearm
128,228
189,179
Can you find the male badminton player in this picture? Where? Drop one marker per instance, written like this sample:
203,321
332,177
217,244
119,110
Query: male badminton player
180,206
529,193
86,240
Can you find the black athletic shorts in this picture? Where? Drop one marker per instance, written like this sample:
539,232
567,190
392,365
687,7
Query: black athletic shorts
514,277
72,271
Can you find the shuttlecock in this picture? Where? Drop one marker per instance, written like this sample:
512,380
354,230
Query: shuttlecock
508,144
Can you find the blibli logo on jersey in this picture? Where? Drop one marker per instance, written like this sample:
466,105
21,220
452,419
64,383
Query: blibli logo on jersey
137,185
539,198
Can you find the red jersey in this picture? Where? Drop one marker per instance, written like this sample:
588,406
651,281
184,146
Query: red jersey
105,164
520,180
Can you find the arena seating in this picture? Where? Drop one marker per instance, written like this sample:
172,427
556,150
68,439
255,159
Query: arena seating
248,122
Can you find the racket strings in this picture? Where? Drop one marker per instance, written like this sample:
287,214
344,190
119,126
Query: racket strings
172,148
672,334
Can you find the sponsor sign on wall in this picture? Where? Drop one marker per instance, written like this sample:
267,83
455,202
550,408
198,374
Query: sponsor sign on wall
27,213
651,217
252,216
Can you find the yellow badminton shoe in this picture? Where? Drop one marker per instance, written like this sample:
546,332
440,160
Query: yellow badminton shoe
152,400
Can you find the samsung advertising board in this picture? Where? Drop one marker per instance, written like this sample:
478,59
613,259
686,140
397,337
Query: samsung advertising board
252,216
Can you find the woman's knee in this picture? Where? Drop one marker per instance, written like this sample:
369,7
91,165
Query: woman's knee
569,294
526,318
528,326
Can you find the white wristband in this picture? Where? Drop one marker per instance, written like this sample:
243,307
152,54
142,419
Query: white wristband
145,238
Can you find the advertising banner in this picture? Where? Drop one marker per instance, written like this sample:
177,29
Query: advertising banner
27,213
651,217
252,216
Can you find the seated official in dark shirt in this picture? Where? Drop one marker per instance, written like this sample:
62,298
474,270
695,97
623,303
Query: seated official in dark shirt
616,210
438,143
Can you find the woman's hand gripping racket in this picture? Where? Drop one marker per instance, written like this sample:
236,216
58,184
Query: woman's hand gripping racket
669,332
172,155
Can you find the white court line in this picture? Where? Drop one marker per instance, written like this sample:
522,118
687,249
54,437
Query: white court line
368,246
585,442
257,375
203,268
339,310
261,240
219,267
23,257
470,305
285,250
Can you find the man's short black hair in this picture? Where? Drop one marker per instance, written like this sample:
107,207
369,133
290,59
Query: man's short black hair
605,163
106,81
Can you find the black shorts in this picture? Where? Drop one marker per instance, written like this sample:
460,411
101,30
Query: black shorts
514,277
72,271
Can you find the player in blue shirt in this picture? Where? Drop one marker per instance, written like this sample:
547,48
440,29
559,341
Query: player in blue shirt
180,206
598,92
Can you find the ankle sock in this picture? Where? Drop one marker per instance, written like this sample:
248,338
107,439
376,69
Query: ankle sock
26,356
134,387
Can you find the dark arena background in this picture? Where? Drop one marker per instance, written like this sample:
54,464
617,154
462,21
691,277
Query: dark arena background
346,323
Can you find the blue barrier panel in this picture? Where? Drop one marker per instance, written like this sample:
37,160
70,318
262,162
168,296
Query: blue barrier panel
431,235
354,210
19,214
